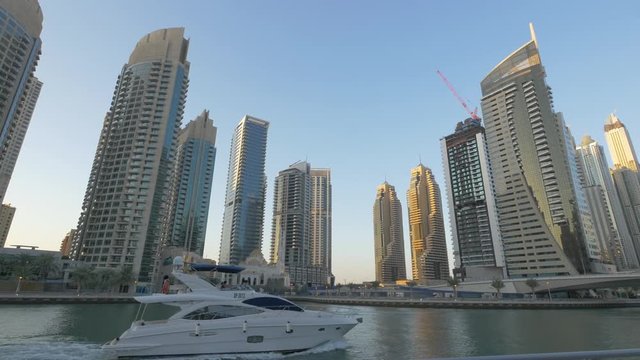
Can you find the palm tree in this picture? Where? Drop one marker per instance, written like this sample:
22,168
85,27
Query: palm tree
44,265
6,264
126,277
82,276
23,266
497,284
454,282
533,284
107,278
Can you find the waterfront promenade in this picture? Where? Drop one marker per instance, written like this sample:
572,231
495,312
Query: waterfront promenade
473,303
63,298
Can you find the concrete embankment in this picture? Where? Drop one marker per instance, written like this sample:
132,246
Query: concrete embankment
472,303
63,298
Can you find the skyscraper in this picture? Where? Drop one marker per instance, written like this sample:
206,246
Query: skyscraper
186,224
605,204
627,184
321,221
14,142
125,201
291,228
429,259
477,245
537,208
20,28
388,236
6,218
598,257
620,145
246,190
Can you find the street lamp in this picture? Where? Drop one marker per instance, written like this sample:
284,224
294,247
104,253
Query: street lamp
549,291
455,292
18,287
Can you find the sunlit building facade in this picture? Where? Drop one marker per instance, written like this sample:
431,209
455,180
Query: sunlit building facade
125,201
619,142
65,246
388,235
429,259
537,210
186,223
243,219
477,245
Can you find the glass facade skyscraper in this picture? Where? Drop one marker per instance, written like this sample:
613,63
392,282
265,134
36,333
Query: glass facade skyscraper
321,221
477,245
537,210
429,260
186,224
243,220
605,204
388,237
20,28
125,201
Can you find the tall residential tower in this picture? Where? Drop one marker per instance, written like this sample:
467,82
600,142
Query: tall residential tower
429,259
477,245
388,236
620,146
537,210
125,201
186,224
246,190
321,221
20,28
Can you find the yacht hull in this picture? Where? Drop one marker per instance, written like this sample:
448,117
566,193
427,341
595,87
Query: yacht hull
229,337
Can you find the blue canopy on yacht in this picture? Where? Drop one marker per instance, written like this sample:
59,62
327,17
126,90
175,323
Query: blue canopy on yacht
230,269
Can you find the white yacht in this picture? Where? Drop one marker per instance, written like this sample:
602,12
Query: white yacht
227,321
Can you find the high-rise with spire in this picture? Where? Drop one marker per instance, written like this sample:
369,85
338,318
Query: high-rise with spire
620,146
538,213
429,259
608,215
125,201
243,220
186,223
388,235
477,245
20,28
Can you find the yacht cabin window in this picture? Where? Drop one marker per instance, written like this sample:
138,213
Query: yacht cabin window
272,303
213,312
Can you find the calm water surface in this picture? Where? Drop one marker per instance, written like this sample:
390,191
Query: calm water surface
77,331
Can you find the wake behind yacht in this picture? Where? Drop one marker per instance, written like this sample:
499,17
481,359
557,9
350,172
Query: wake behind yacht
227,321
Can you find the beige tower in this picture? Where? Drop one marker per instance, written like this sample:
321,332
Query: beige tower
388,236
429,259
619,143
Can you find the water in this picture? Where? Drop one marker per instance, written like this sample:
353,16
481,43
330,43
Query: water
77,331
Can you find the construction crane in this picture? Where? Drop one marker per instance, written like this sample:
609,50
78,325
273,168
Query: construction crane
462,102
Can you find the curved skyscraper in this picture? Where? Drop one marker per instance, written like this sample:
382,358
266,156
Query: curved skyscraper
246,190
125,200
20,28
429,260
388,236
538,213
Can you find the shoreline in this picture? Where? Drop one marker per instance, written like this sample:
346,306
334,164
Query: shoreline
473,303
72,298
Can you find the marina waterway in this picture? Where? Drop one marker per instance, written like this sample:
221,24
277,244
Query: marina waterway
76,331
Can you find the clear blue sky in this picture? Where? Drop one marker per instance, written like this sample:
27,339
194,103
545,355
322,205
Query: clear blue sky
349,85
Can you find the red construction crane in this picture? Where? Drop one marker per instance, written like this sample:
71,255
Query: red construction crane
464,104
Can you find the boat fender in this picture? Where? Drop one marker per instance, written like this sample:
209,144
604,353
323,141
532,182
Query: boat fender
244,326
197,332
289,330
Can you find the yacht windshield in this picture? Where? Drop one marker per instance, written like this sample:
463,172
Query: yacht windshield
213,312
272,303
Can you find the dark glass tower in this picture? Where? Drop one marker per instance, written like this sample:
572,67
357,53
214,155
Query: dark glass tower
246,190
